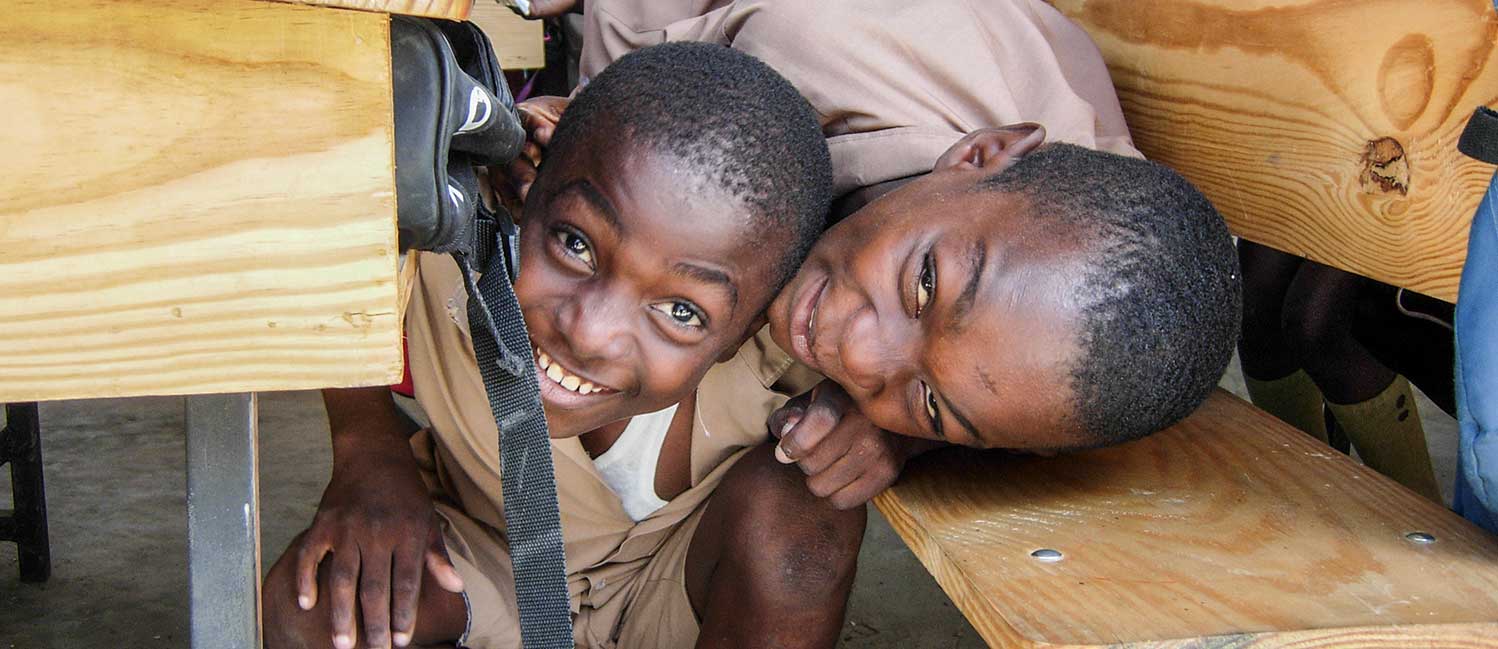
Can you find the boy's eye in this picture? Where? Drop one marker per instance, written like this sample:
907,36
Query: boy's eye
925,285
576,246
681,313
930,399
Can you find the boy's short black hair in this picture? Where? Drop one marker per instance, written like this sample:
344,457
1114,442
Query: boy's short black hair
730,117
1161,298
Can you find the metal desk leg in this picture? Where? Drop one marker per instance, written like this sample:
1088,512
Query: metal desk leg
223,521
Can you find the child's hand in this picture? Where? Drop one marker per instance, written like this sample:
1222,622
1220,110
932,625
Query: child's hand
377,528
539,116
847,459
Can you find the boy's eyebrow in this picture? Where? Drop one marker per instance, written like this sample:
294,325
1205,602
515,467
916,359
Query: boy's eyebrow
977,258
709,276
600,203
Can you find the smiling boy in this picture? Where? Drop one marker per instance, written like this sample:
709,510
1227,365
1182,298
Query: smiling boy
683,189
1024,296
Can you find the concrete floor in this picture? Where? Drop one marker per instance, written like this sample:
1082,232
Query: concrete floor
115,493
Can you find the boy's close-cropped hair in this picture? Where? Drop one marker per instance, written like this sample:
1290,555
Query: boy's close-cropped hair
730,119
1160,298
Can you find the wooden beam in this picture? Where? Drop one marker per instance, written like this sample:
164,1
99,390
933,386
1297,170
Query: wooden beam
1325,128
449,9
1229,529
195,196
518,42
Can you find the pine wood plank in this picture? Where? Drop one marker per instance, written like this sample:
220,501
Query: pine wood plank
517,41
1326,128
1229,529
195,196
449,9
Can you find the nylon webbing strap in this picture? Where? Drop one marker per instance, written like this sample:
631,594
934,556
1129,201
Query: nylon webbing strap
532,520
1480,137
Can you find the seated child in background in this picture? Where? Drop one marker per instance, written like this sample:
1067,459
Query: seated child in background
682,190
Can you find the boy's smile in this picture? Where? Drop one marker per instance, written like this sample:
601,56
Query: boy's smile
637,274
943,311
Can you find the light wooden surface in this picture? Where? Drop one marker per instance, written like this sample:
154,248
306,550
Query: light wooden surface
1326,128
517,41
1230,526
195,196
449,9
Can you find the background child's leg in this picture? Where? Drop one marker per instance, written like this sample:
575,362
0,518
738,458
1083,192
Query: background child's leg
771,565
1370,402
1272,374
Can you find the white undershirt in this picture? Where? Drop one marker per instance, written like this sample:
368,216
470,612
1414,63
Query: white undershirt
628,467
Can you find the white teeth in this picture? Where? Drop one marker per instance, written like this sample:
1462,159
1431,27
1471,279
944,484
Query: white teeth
563,378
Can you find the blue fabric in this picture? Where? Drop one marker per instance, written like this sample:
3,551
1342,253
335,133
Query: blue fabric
1476,495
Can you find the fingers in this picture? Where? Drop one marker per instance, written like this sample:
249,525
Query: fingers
861,491
440,566
308,556
829,449
816,423
405,593
343,580
538,125
374,600
519,175
550,8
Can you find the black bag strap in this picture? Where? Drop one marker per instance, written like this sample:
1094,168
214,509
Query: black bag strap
1480,137
502,347
533,520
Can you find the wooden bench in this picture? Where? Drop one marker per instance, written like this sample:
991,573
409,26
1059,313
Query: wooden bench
1324,128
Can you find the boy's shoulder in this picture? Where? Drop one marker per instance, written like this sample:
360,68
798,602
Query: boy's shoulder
738,395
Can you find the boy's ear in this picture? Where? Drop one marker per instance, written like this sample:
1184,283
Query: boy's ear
992,149
759,323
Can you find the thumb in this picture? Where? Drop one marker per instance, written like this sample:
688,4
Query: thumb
784,419
440,566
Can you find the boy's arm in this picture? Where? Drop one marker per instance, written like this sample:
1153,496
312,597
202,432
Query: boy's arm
847,459
375,524
539,115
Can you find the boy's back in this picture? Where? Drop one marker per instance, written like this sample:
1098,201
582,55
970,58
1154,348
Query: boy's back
895,83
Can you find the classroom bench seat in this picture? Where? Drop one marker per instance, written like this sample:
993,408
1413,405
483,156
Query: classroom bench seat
1229,529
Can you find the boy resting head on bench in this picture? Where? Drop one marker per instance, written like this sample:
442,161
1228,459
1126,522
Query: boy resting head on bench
1024,296
685,186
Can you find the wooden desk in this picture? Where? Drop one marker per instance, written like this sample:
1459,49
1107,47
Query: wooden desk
197,196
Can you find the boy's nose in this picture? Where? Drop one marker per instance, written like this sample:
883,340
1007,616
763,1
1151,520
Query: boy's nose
874,353
595,326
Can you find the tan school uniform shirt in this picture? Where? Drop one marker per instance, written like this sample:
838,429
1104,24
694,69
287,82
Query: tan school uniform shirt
895,82
607,552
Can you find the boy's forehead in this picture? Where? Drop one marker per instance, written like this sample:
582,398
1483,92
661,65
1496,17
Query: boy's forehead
1010,366
661,206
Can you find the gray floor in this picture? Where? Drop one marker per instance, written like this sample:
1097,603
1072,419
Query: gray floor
114,471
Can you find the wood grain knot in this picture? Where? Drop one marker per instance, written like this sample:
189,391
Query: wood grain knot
1385,168
1406,79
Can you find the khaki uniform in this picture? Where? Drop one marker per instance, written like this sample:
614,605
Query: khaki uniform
614,565
895,82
